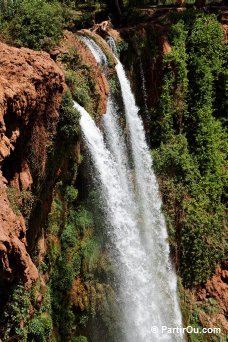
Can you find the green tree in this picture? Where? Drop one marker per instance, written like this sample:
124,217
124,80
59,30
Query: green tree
35,24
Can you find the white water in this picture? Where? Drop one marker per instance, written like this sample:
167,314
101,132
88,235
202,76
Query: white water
153,229
133,272
95,49
116,144
111,42
148,294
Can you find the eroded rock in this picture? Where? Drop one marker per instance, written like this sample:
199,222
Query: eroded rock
15,261
31,88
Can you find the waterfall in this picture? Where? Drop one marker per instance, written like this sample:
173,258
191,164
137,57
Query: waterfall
153,229
132,261
116,144
137,229
111,42
95,49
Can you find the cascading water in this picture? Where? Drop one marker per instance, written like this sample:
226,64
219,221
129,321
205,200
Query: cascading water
148,294
153,228
112,44
95,49
117,145
132,261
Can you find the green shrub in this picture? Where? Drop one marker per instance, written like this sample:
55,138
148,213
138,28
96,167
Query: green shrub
17,319
81,95
90,250
54,217
40,328
80,339
69,118
16,310
71,61
13,199
35,24
81,85
68,237
71,193
21,202
81,218
67,269
70,76
27,200
67,323
174,160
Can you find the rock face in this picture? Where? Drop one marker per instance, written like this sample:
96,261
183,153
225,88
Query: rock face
216,288
31,87
15,261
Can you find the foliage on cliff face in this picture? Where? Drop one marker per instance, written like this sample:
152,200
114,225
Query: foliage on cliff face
191,156
190,160
27,316
77,267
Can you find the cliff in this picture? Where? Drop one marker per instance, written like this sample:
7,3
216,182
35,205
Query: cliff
31,87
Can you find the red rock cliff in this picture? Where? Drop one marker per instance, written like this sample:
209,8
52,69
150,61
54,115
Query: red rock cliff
31,87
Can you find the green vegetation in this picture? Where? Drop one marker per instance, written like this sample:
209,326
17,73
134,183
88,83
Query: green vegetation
80,78
191,158
37,25
21,202
69,118
77,263
40,24
25,317
80,339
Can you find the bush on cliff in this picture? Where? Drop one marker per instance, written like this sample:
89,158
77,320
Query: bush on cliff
69,117
34,24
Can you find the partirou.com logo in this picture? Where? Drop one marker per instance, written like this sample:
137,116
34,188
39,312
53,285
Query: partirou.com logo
180,330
